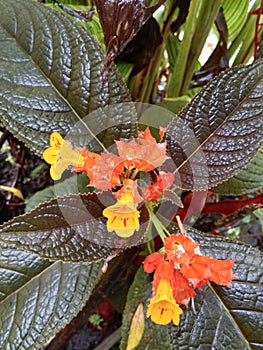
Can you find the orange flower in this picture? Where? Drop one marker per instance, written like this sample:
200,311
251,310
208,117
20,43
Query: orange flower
105,175
183,268
88,164
60,155
153,192
123,218
128,192
163,308
146,156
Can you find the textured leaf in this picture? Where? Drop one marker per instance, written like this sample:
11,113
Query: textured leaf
247,180
219,132
155,337
75,184
225,318
50,78
70,228
39,298
120,21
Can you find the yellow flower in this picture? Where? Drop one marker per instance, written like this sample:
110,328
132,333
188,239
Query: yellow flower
60,155
123,218
163,308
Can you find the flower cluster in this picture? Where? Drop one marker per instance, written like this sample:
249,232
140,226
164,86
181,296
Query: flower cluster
178,270
119,173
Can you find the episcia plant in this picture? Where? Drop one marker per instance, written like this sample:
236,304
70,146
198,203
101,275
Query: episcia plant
121,193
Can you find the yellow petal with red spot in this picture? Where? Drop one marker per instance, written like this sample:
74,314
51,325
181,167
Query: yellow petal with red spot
56,140
50,155
123,218
163,308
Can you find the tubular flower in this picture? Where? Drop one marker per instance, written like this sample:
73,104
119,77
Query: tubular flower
61,155
184,268
163,308
123,218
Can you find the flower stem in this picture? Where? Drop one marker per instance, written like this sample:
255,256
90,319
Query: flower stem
161,229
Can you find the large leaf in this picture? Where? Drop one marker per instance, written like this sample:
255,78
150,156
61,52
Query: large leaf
235,13
70,228
221,317
50,79
247,180
218,133
39,298
75,184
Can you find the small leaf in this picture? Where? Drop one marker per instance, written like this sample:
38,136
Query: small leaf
13,190
247,180
38,298
50,80
137,328
155,337
70,228
219,132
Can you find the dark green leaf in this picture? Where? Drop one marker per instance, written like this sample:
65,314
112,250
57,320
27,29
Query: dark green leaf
70,228
75,184
225,318
155,336
219,132
39,298
50,79
247,180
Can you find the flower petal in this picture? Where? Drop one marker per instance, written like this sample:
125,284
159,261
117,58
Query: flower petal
123,218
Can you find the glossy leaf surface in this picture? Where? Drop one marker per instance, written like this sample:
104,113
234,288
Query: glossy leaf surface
50,79
38,298
247,180
70,228
219,132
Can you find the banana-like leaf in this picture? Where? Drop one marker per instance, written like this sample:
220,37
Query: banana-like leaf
221,129
235,13
38,298
70,228
50,79
220,317
247,180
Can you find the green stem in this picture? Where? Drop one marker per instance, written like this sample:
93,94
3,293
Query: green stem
161,229
198,24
